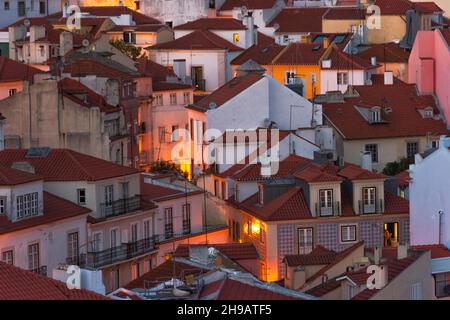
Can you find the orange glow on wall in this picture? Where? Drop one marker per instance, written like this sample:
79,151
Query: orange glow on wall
109,3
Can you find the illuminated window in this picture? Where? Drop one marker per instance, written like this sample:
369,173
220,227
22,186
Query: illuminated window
235,37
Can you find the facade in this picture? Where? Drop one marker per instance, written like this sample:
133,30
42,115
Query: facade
14,10
428,65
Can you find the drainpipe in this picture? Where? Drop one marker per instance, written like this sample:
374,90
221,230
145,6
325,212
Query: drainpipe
441,213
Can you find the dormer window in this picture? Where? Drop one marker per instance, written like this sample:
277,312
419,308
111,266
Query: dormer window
27,205
375,115
428,113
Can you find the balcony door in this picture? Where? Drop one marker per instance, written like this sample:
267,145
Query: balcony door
72,248
197,78
305,240
109,196
33,257
369,200
326,202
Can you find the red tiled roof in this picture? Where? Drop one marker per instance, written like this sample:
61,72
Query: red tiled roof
36,21
165,86
344,61
446,35
11,70
395,267
403,121
291,205
85,66
212,24
345,14
163,272
318,256
12,177
237,290
228,91
403,179
292,20
52,36
323,289
197,40
354,172
154,70
261,54
394,204
300,54
437,251
19,284
55,209
389,52
234,251
72,89
114,11
396,7
67,165
159,193
427,7
250,4
313,173
139,28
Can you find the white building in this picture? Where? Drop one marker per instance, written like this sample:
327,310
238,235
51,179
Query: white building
13,10
429,197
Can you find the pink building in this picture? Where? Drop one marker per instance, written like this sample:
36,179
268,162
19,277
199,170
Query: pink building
429,66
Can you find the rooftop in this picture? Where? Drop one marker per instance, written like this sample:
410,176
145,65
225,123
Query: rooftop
11,70
389,52
12,177
217,23
234,251
298,20
250,4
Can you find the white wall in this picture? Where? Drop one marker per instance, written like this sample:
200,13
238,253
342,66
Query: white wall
429,194
10,16
11,194
328,80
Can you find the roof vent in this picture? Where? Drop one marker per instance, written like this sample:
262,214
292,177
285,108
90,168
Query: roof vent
24,166
388,110
40,152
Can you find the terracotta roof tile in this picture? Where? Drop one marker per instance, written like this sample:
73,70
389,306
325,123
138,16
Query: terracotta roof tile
67,165
402,179
292,20
197,40
403,121
389,52
397,7
354,172
318,256
159,193
12,177
250,4
437,251
446,34
394,204
313,173
234,251
300,54
11,70
427,7
114,11
19,284
262,54
345,14
344,61
55,209
217,23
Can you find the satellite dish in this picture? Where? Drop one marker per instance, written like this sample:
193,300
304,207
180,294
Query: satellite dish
212,105
85,42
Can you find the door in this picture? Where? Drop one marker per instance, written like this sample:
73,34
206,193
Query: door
33,257
369,200
305,240
72,248
114,238
326,202
197,78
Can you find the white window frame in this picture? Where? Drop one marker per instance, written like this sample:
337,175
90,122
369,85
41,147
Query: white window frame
147,231
34,256
27,205
327,209
416,291
8,256
79,196
344,231
116,231
134,231
97,244
109,195
305,240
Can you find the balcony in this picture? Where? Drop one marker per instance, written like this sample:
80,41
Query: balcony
200,84
42,270
120,207
186,227
118,254
373,208
168,231
334,210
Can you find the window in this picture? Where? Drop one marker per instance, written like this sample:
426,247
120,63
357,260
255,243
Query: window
375,115
137,5
290,77
162,134
125,189
235,37
6,5
97,243
326,202
262,234
373,149
435,144
134,271
2,205
42,51
12,92
261,194
168,225
442,284
114,279
114,241
236,231
428,113
348,233
55,51
351,291
158,100
216,188
33,257
129,37
81,196
411,149
134,232
416,291
236,193
42,9
249,227
32,5
109,195
147,229
72,248
27,205
173,98
187,97
8,257
186,208
175,133
224,190
21,8
369,200
342,78
305,240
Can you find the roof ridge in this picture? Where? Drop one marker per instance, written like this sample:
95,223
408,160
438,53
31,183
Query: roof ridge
71,153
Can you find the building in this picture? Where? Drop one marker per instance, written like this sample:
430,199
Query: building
207,58
387,118
67,106
428,65
389,56
14,76
13,10
26,285
306,204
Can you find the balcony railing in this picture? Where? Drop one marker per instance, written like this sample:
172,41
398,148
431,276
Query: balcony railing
376,207
119,207
200,84
186,226
42,270
442,288
118,254
334,210
168,231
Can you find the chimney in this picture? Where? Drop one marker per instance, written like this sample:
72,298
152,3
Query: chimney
402,251
66,7
65,43
366,160
36,33
373,60
250,37
388,78
2,134
326,43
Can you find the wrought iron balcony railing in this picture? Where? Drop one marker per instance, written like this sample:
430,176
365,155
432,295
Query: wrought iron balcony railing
119,207
42,270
